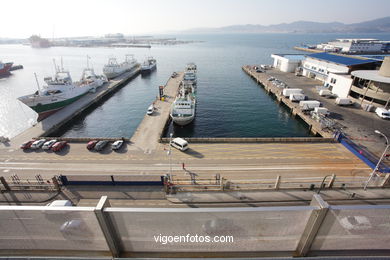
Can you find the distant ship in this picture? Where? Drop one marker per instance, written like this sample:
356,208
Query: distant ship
148,65
5,68
112,69
38,42
58,92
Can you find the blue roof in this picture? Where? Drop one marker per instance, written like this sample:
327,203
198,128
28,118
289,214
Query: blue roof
343,60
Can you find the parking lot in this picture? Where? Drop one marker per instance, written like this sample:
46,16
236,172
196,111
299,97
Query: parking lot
357,123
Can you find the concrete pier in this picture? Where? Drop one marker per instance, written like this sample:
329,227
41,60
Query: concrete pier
66,114
148,133
314,126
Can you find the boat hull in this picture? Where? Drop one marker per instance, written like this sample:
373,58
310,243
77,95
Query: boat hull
45,110
182,121
148,69
6,69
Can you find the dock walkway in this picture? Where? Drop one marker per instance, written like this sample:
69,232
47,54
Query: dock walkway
64,115
151,128
314,126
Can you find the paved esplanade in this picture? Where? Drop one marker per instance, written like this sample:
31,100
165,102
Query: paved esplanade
232,161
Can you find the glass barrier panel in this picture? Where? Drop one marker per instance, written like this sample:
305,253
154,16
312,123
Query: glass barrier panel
38,228
210,231
354,227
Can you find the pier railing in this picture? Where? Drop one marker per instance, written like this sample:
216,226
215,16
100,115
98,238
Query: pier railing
192,183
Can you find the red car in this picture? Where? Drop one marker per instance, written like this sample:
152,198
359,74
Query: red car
58,146
91,144
26,145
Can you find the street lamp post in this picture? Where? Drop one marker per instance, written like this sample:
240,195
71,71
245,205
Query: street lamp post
380,160
170,155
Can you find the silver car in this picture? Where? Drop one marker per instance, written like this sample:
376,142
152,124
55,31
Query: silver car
48,144
100,145
38,144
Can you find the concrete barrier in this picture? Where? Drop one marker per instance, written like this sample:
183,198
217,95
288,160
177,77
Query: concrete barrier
257,140
136,180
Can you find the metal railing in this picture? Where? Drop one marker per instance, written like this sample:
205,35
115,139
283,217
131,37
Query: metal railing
173,184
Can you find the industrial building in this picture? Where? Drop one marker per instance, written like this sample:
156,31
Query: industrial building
355,46
319,65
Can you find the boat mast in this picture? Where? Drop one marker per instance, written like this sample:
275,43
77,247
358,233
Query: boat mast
55,66
36,79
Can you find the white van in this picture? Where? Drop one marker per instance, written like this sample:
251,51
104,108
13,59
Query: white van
382,113
180,143
60,203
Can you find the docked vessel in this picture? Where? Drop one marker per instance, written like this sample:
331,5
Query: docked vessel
58,92
190,74
183,108
189,78
91,80
191,67
5,68
113,69
149,65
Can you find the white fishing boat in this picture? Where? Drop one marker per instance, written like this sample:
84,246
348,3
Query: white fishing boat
89,78
189,78
191,67
113,69
183,108
58,92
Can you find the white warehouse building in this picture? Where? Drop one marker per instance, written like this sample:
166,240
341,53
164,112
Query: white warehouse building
287,62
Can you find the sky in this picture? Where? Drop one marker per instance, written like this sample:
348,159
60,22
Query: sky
66,18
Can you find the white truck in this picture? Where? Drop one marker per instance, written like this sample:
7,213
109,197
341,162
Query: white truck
321,111
343,101
297,97
288,91
308,105
325,92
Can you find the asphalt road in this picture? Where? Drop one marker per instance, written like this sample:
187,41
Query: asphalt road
232,161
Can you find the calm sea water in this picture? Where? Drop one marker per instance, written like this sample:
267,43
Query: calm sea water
230,104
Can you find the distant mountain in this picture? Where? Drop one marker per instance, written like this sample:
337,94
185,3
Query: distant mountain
381,25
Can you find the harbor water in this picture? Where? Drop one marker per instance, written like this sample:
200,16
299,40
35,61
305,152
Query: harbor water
229,103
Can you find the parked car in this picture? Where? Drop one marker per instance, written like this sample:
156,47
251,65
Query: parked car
48,144
38,144
59,146
117,145
382,113
26,145
91,144
150,110
100,145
